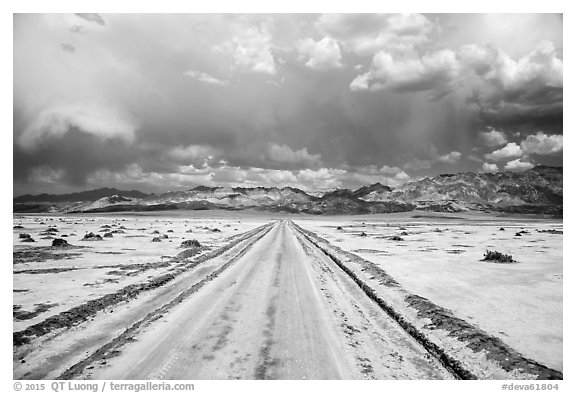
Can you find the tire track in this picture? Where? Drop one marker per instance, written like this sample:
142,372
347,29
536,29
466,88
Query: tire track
112,347
83,312
449,363
508,359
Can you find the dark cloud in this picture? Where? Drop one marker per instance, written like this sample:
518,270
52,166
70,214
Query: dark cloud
95,18
529,90
77,154
311,100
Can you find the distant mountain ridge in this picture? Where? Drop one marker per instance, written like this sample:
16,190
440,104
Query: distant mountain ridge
539,190
83,196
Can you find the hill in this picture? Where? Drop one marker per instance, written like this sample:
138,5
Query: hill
538,190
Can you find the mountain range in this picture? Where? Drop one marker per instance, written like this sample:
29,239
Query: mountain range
538,190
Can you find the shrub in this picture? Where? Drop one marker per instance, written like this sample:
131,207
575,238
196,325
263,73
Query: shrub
498,257
59,243
190,243
92,237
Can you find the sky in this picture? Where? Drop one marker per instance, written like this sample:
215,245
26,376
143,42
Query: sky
164,102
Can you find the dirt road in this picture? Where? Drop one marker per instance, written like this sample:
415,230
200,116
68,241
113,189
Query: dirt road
283,310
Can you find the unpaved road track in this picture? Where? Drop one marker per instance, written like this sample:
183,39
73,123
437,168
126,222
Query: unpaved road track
282,310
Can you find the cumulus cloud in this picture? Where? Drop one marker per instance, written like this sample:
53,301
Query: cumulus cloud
390,170
492,138
95,18
323,54
506,91
113,104
518,165
284,154
56,122
450,158
192,153
366,34
511,150
477,57
206,78
402,177
530,88
542,144
369,174
489,168
253,49
434,72
417,164
321,179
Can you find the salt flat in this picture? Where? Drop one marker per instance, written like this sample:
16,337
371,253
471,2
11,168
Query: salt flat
440,258
77,300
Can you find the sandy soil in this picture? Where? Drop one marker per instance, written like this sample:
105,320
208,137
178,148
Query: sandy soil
103,267
440,259
262,300
280,312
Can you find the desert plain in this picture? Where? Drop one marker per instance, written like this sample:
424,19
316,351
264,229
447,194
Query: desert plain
252,295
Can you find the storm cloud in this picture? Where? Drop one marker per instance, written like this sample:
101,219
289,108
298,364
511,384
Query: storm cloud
164,101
